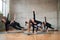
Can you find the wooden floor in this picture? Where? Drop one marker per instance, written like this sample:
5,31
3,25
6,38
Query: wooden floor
21,36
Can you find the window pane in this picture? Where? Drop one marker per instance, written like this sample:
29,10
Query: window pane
0,6
4,9
4,0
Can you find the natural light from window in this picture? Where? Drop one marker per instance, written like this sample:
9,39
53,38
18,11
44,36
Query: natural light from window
4,7
0,6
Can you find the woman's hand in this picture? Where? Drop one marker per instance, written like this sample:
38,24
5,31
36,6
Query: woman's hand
11,21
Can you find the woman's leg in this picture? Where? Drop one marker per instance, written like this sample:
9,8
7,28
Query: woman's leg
50,27
17,24
6,28
33,28
37,28
14,26
29,27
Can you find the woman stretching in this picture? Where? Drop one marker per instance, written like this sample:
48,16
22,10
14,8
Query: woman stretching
12,23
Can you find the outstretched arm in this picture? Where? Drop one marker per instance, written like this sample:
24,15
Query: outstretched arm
14,16
7,18
13,19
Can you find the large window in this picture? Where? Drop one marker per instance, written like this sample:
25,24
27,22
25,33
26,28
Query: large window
0,6
4,7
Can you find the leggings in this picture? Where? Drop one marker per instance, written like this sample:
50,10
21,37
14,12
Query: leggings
15,25
48,26
35,27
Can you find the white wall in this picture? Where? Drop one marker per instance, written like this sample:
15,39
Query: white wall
59,14
59,22
23,10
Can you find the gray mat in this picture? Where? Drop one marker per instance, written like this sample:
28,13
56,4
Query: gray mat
3,32
11,32
41,33
28,33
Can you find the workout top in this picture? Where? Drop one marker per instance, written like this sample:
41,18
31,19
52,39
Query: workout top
7,23
38,22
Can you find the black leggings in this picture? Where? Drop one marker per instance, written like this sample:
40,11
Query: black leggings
15,25
48,26
35,27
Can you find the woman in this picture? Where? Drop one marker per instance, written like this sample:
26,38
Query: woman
12,23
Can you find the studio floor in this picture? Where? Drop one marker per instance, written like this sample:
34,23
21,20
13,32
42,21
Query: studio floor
51,35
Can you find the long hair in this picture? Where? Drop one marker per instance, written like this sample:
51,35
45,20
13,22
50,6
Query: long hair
3,18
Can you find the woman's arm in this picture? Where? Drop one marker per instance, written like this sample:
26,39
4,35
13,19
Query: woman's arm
14,16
